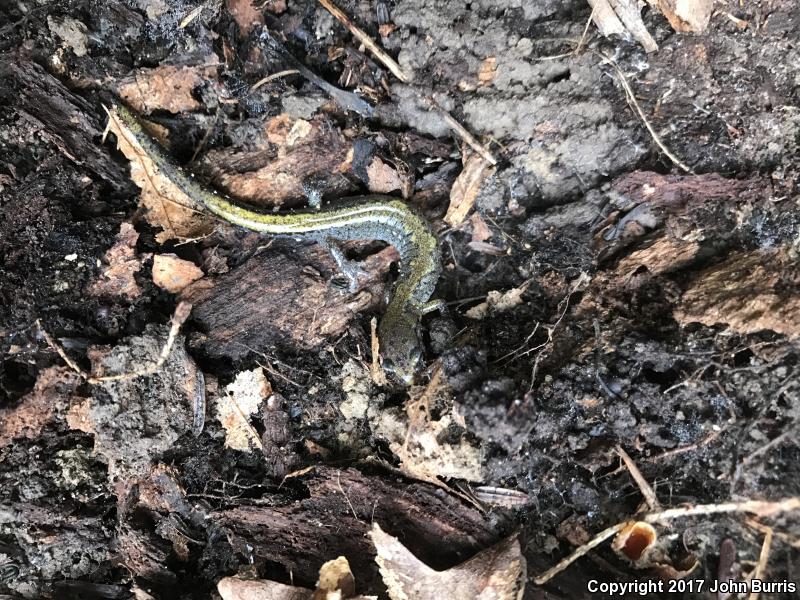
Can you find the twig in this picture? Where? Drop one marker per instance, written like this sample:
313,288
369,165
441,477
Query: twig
378,375
792,540
582,41
757,507
644,486
632,99
763,558
178,318
581,551
362,36
350,504
273,77
761,508
465,135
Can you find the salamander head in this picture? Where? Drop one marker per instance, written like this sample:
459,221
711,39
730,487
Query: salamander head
400,346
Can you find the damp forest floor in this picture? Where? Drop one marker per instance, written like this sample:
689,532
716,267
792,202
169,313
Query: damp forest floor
621,331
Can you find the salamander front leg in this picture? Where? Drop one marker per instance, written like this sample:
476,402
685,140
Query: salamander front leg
350,269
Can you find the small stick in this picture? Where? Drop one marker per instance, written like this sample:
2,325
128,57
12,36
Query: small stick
350,504
644,486
465,135
632,99
178,318
273,77
582,550
758,507
793,541
362,36
582,41
763,557
378,376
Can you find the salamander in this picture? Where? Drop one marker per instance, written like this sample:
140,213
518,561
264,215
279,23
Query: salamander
362,218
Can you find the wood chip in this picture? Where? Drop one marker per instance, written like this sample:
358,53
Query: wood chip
246,15
487,71
382,178
466,187
174,274
118,277
686,15
749,292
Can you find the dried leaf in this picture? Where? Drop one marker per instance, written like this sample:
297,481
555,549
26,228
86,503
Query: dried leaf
465,189
167,206
122,264
419,442
173,274
243,398
497,573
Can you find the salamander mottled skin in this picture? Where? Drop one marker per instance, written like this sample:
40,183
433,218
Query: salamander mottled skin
363,218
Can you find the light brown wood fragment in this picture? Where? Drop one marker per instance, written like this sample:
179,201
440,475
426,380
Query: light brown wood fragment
748,292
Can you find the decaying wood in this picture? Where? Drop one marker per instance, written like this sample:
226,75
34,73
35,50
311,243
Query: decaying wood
71,122
748,292
336,518
282,296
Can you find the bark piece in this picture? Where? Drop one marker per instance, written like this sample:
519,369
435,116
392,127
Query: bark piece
246,15
749,292
52,391
673,206
294,158
65,117
282,297
118,278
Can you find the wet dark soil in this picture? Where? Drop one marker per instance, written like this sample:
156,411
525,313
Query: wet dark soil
111,490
